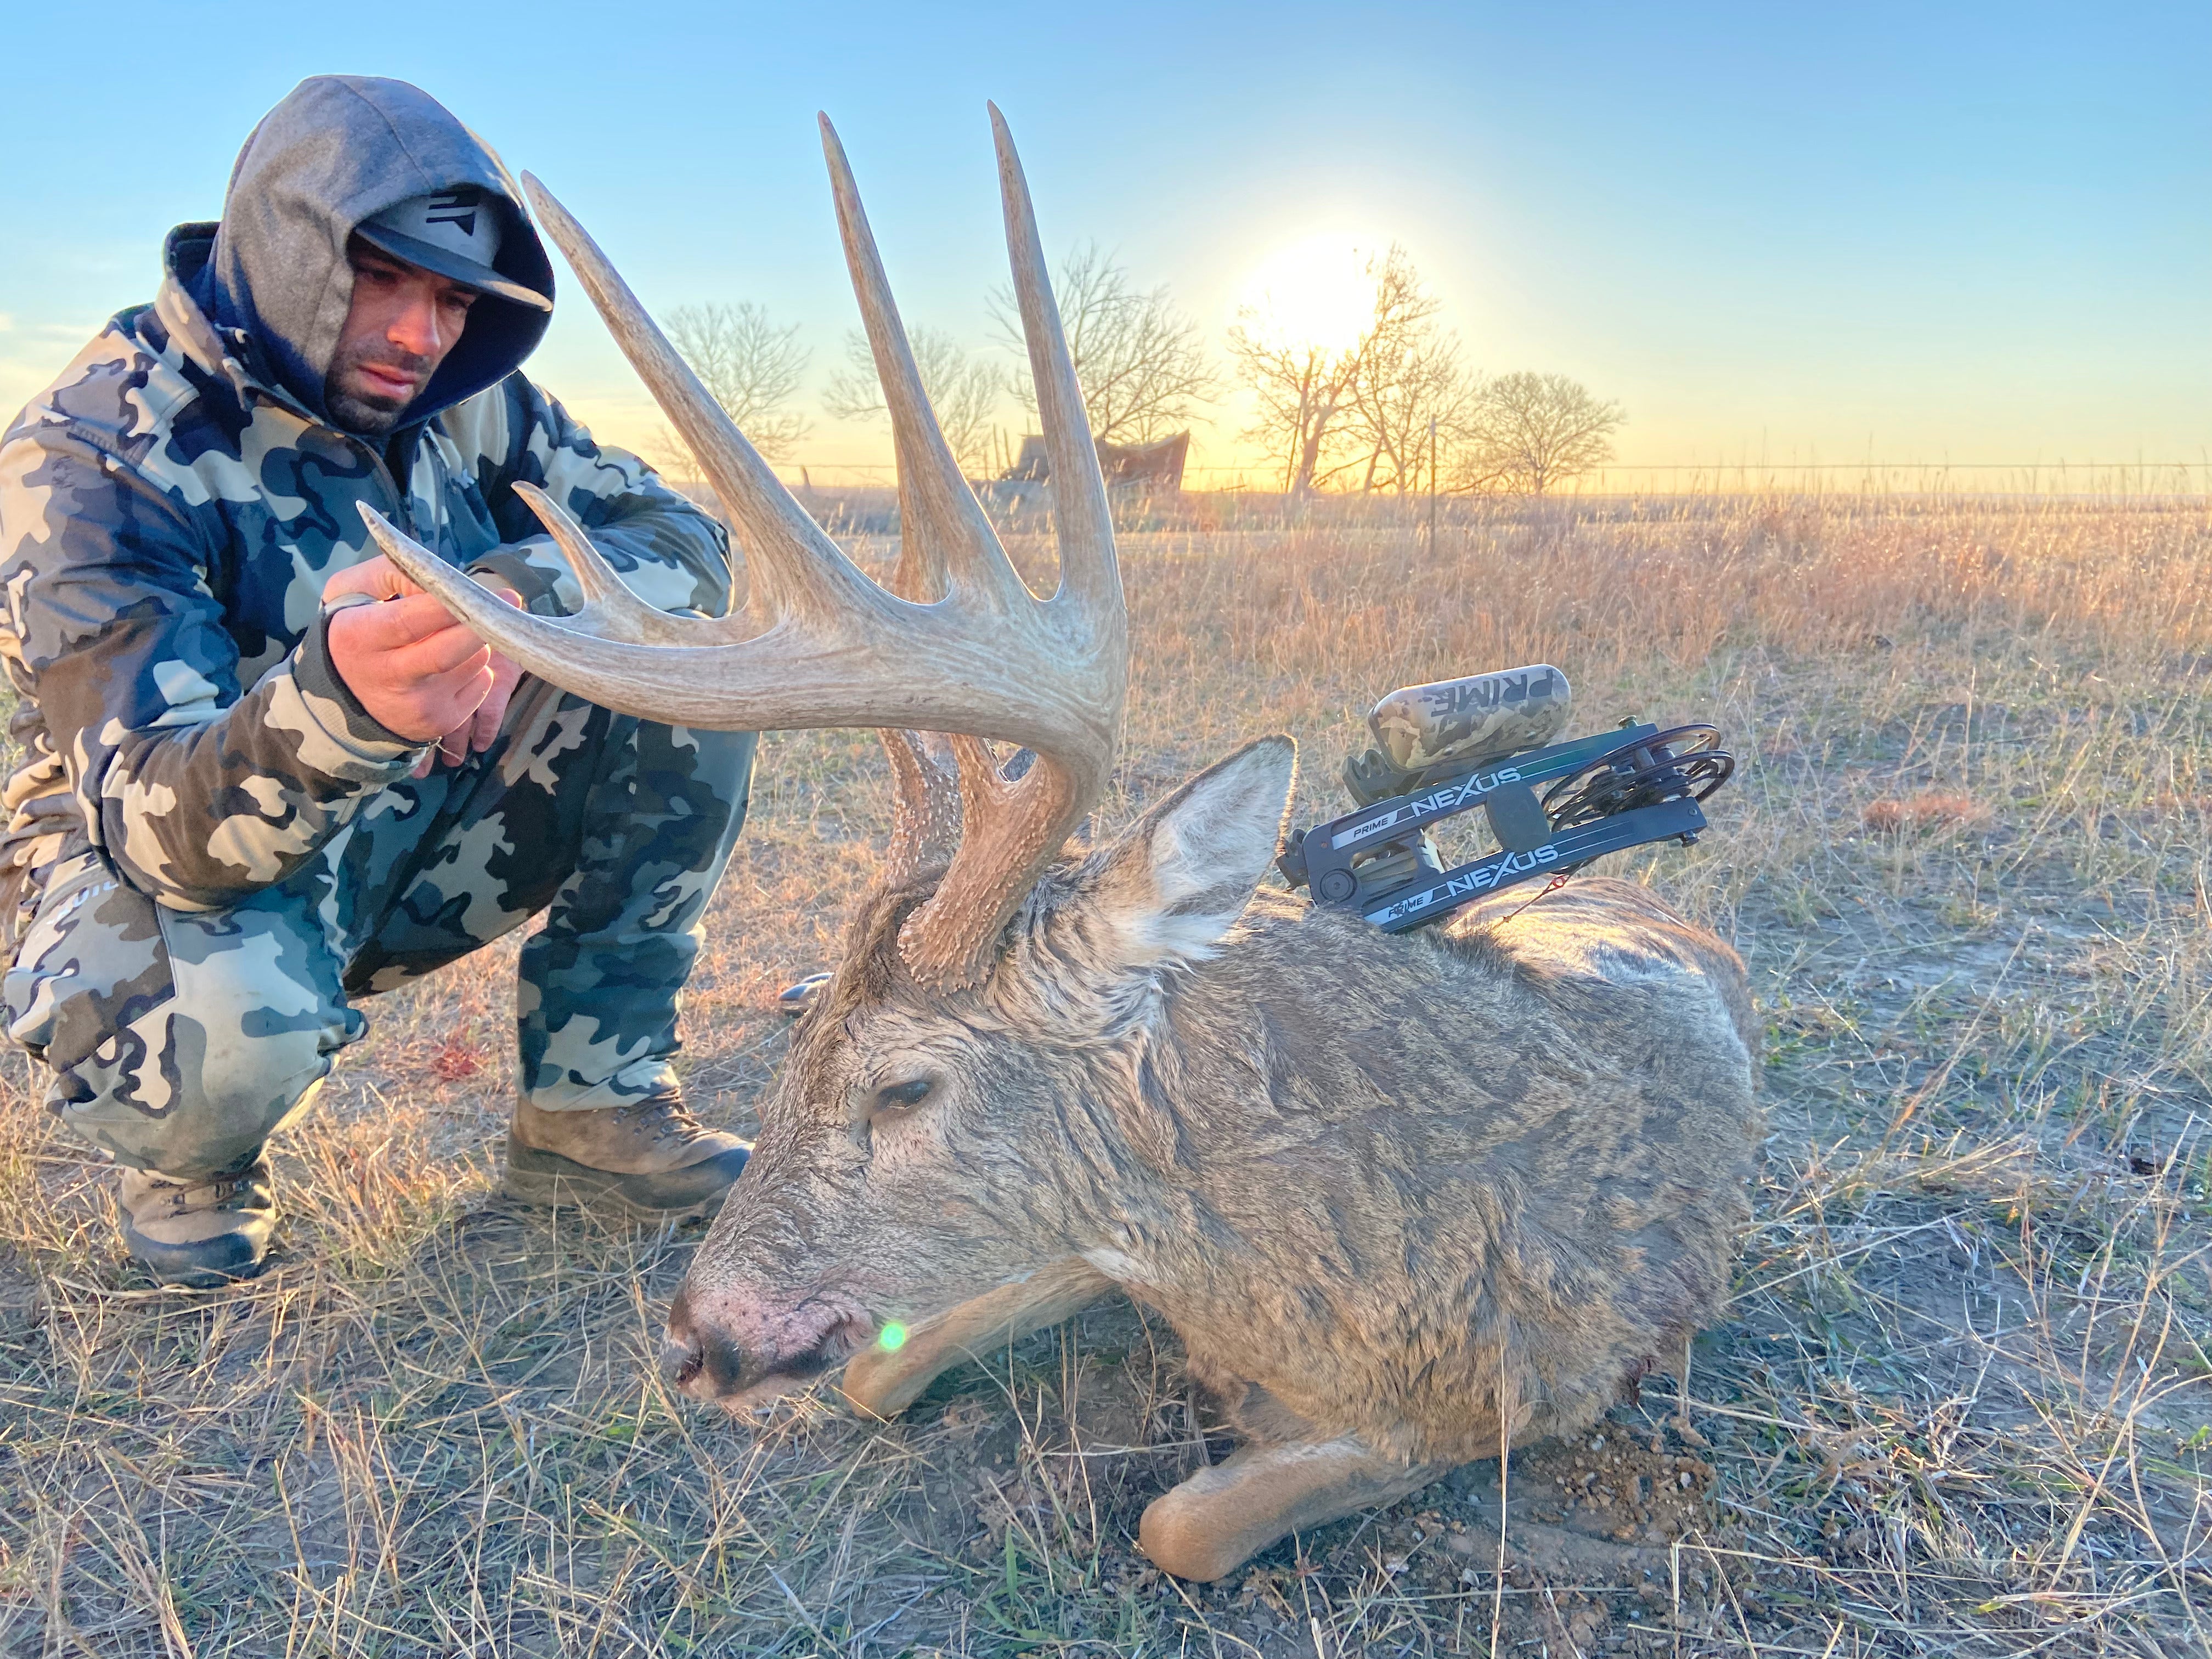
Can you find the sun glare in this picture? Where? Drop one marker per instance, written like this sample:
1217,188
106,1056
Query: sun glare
1316,291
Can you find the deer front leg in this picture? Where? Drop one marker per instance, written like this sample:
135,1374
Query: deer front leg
886,1383
1213,1523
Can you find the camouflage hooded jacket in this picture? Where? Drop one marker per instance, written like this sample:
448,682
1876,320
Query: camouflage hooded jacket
171,507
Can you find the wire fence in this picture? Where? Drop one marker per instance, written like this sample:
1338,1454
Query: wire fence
2129,480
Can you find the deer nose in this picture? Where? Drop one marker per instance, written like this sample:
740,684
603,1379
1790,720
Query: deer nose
681,1363
695,1361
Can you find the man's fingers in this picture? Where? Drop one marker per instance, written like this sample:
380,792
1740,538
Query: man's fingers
461,689
396,623
491,712
440,655
505,675
404,616
377,577
468,737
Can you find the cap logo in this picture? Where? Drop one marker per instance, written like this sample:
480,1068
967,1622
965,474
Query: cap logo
456,208
455,233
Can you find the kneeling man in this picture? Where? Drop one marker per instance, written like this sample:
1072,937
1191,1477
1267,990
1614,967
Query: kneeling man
263,777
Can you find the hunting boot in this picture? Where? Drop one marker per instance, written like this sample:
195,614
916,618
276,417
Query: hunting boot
650,1159
199,1230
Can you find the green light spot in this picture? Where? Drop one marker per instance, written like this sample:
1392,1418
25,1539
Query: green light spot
891,1337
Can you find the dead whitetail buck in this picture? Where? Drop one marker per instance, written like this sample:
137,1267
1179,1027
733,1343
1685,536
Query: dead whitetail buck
1404,1199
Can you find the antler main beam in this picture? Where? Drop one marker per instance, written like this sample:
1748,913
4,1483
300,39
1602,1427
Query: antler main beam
818,643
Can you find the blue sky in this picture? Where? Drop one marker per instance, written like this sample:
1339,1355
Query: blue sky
1962,232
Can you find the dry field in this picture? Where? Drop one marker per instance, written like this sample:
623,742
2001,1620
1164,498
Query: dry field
1961,1401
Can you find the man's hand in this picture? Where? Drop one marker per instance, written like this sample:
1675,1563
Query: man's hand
419,672
475,734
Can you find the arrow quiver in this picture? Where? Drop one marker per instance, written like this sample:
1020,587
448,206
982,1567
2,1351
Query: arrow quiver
1485,742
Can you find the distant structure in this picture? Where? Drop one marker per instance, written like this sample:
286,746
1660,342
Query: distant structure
1142,466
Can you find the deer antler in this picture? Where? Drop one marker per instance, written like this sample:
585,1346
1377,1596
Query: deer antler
818,644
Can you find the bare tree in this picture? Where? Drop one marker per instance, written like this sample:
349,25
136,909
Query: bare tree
1141,363
964,391
1532,431
750,365
1412,401
1301,390
1309,395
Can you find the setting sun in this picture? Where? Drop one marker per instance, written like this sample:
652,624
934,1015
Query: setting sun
1315,291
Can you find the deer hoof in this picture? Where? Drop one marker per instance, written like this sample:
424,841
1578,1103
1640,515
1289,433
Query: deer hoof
1179,1538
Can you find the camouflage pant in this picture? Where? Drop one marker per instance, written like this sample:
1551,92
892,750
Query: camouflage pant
180,1040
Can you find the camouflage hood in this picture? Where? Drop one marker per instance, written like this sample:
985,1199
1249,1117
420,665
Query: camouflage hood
338,150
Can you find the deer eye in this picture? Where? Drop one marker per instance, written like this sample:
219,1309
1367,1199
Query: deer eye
901,1097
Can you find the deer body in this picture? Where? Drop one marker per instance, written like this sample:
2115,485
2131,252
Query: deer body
1405,1199
1392,1192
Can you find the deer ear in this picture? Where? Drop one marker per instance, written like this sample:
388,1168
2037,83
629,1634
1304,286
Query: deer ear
1177,879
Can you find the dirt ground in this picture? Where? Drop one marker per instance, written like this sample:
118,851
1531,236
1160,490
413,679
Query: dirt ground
1959,1402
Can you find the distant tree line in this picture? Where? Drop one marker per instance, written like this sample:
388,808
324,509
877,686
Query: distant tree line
1397,411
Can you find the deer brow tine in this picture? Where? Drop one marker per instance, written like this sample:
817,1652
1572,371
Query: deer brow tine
594,576
620,618
610,610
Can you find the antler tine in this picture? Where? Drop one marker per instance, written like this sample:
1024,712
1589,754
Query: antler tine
937,513
924,805
610,611
1089,578
791,564
594,576
925,775
591,653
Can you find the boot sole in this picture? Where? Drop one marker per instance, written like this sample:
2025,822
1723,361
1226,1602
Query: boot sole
207,1265
534,1176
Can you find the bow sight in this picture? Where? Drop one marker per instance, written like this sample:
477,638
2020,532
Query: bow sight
1485,742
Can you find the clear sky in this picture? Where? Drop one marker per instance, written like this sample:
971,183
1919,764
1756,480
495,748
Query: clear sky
1973,232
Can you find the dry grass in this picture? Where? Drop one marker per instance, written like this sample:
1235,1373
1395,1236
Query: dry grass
1959,1403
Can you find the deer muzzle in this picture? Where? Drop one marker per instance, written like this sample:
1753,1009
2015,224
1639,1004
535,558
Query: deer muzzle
701,1358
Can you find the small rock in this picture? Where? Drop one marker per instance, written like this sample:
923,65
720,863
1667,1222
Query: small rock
1461,1543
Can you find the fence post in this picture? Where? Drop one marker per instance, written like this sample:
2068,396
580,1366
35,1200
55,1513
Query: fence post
1433,486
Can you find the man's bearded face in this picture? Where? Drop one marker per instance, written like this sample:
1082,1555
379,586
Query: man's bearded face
402,322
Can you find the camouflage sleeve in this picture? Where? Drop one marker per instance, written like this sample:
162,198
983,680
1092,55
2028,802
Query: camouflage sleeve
200,791
672,554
